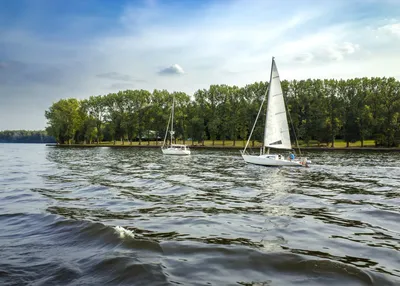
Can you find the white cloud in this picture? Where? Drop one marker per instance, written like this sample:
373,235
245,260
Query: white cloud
225,39
175,69
393,28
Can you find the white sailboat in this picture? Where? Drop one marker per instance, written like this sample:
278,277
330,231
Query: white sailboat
276,130
173,149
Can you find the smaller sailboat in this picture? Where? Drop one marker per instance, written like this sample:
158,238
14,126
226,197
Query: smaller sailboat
173,149
276,130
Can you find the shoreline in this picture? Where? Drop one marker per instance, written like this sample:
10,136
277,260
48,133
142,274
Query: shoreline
392,149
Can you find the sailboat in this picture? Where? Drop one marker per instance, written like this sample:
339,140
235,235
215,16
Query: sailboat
276,129
173,149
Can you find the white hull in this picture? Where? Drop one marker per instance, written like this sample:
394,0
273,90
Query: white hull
274,161
175,151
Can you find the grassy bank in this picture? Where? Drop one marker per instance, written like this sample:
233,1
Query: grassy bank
219,144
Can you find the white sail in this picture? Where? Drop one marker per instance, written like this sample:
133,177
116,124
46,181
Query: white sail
276,133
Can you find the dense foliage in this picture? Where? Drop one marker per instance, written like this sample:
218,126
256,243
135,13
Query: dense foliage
25,136
322,110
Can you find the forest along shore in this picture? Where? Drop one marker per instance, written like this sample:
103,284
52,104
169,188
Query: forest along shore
360,109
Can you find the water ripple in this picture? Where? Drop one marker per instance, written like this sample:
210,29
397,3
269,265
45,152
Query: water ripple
133,216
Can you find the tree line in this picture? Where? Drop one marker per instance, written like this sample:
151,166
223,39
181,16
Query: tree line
25,136
321,110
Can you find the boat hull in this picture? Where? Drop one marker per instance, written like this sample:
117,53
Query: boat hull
273,161
174,151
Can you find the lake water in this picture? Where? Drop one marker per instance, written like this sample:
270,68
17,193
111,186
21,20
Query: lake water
126,216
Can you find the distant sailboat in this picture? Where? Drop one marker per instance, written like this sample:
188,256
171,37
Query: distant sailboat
173,149
276,130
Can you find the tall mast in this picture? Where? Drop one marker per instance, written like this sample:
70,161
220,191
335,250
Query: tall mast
268,103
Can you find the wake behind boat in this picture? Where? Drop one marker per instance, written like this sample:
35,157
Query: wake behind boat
276,130
173,149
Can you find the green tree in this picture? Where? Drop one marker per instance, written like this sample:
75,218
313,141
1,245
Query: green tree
115,110
96,108
63,119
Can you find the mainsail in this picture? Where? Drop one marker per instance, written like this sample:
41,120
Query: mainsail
276,133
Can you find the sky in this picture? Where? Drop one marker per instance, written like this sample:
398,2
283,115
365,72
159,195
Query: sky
53,49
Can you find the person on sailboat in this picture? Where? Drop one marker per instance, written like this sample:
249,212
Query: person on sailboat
291,156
